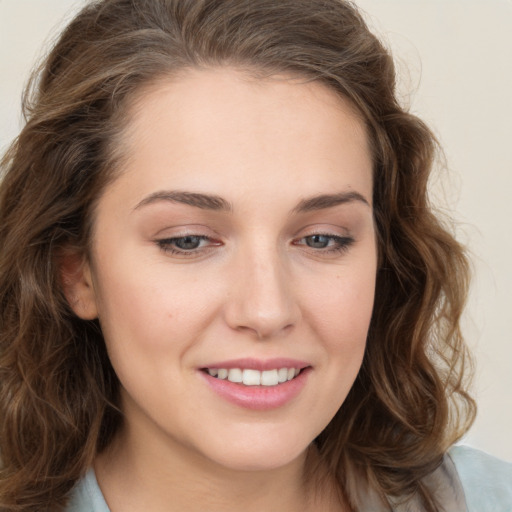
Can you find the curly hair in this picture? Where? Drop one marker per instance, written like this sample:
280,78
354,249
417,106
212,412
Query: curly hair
58,391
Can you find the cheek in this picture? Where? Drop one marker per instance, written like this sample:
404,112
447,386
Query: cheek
149,322
145,307
339,315
341,310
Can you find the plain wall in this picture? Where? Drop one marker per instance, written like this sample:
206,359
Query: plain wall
455,63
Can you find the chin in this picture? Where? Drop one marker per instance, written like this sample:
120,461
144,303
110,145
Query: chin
258,453
260,461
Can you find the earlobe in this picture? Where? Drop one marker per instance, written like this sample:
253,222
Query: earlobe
77,285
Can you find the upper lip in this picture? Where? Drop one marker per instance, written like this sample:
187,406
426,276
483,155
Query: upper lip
259,364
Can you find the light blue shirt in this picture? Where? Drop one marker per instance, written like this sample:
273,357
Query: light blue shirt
485,480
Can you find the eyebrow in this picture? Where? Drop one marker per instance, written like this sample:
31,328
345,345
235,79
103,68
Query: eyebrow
203,201
324,201
217,203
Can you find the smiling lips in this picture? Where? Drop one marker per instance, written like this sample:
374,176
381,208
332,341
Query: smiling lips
258,385
250,377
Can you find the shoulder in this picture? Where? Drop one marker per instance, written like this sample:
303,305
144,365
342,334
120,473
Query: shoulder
486,480
86,496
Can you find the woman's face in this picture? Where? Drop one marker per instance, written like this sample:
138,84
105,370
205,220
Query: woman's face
239,239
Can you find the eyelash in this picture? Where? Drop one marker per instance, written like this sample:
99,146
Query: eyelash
341,244
166,244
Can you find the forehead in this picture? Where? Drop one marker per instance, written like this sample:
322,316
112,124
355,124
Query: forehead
222,129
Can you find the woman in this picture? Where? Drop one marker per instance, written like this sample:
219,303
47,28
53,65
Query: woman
221,283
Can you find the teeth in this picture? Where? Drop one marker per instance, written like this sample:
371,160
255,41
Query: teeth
235,375
250,377
269,378
282,374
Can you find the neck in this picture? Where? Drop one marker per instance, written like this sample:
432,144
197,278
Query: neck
145,468
143,476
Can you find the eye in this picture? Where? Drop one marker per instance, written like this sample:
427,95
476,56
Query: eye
318,241
187,245
326,243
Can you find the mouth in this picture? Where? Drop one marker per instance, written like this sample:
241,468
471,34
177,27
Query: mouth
252,377
257,384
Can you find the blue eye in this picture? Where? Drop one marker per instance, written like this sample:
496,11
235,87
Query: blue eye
326,243
187,245
318,241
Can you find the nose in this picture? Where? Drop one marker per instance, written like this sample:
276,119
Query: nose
262,300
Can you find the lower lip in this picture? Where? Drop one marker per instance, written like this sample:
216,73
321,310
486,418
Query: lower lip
258,397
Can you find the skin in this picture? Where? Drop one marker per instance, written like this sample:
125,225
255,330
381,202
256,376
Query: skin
256,286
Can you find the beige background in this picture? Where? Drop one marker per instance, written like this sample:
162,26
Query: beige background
455,62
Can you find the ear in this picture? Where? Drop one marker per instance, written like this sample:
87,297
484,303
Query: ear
77,284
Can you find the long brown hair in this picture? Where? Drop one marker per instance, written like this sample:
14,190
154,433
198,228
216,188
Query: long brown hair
58,391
